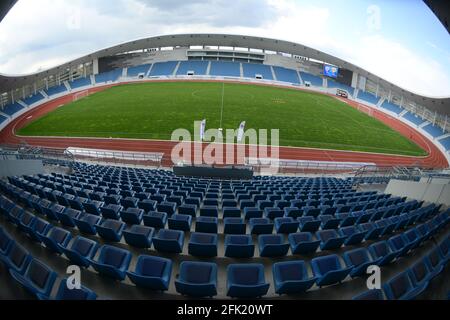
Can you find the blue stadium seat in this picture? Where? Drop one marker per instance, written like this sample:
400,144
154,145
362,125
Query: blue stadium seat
251,70
111,230
135,71
399,245
152,272
190,209
444,248
57,239
346,219
386,226
112,262
372,231
246,281
163,68
168,207
93,207
401,287
53,212
180,222
308,224
435,261
225,69
252,212
273,213
291,277
286,75
334,84
391,107
420,273
362,216
169,241
5,242
382,253
433,130
328,270
303,243
239,246
155,219
330,239
353,235
16,258
147,205
203,244
197,67
286,225
32,99
329,221
27,222
132,215
272,245
209,211
38,279
68,217
234,226
81,251
412,238
12,108
41,227
56,90
413,118
88,223
15,214
206,224
231,212
139,236
261,226
111,211
65,294
293,212
359,260
129,202
368,97
197,279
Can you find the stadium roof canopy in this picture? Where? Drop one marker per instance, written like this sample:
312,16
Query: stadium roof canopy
441,9
5,6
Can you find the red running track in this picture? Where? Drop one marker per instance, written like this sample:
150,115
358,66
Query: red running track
434,159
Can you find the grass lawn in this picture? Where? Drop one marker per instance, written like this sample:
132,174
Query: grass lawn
154,110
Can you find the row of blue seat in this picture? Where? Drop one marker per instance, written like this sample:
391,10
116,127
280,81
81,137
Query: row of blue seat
293,187
34,275
244,280
207,223
173,240
410,283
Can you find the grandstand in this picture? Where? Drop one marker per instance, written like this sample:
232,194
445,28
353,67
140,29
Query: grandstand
197,67
163,68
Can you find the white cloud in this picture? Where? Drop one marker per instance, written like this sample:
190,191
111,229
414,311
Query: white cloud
45,33
397,64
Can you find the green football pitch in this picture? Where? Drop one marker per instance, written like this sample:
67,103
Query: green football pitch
155,110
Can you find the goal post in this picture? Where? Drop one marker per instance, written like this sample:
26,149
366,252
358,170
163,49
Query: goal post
80,95
367,110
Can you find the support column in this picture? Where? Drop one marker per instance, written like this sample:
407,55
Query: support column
95,66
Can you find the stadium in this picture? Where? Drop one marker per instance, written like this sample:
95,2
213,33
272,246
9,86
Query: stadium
88,177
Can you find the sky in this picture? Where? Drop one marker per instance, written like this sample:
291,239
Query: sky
399,40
